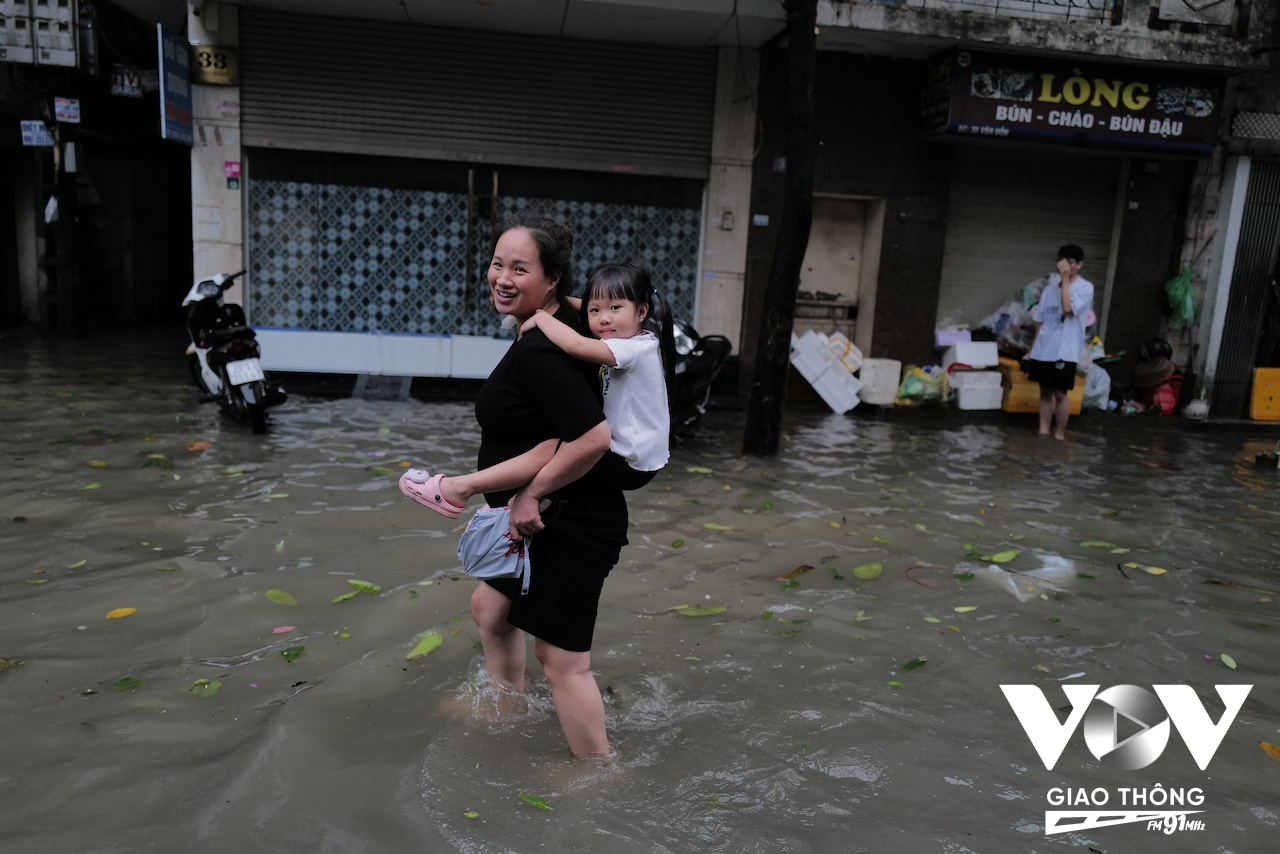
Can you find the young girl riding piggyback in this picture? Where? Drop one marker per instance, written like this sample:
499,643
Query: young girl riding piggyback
634,344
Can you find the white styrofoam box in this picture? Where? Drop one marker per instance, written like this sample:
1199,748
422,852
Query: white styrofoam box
975,354
974,379
880,380
810,356
946,337
980,397
835,386
845,350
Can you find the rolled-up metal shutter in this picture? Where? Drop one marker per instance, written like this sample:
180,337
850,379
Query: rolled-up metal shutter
369,87
1010,210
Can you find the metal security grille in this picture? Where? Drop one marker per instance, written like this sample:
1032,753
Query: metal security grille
1256,125
347,258
370,87
1073,10
1256,258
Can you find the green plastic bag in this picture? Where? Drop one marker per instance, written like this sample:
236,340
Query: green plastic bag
1182,298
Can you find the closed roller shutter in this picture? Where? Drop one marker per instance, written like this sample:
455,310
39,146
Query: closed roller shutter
1009,212
329,84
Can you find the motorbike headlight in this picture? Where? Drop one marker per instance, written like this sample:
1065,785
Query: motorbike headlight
208,288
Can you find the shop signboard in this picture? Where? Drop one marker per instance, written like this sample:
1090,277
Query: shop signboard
175,88
1134,108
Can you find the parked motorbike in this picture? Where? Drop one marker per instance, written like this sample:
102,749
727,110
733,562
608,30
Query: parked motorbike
224,357
699,360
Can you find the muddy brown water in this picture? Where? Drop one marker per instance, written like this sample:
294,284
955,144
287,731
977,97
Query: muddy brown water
772,726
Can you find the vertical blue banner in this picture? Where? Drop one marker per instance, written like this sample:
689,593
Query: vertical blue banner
175,88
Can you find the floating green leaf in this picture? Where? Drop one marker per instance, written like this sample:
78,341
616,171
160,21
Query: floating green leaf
345,596
964,609
280,597
862,616
764,615
701,612
767,504
471,814
1003,557
1228,660
914,663
921,528
835,573
1055,619
77,564
427,643
278,495
932,620
535,801
92,486
868,571
292,652
1084,575
364,586
675,544
1098,544
791,584
716,526
128,683
699,470
882,541
205,687
963,576
382,470
37,581
897,684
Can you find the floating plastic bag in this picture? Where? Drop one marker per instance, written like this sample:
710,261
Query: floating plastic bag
1182,298
922,386
1097,388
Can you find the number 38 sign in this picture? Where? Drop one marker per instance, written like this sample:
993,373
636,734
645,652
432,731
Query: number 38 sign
214,66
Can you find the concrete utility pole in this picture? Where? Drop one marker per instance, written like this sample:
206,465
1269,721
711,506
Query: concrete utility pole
763,431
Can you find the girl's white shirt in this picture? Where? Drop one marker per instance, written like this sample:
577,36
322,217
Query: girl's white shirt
635,402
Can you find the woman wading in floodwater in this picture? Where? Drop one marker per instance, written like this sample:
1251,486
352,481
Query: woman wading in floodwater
539,392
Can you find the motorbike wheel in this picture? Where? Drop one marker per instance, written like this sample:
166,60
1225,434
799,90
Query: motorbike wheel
193,365
255,402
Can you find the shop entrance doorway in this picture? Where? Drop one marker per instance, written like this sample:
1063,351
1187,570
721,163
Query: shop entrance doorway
834,265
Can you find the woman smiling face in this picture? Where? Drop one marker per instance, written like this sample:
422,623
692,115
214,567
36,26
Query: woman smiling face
517,282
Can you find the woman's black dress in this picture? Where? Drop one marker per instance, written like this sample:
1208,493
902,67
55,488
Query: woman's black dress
538,392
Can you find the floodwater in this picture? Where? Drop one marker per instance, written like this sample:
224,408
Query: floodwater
773,726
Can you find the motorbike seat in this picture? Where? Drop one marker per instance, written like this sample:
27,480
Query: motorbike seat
216,337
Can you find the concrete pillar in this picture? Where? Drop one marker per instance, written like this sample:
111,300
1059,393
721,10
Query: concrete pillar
1213,316
728,215
217,231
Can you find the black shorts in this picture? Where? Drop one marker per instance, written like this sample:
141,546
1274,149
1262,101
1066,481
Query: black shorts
619,474
1059,376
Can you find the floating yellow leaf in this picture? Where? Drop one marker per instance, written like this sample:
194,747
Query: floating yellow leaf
98,464
278,495
429,642
882,540
964,609
932,620
120,612
77,564
700,612
868,571
472,814
1154,570
715,526
1272,750
1228,660
280,597
835,524
404,464
1042,668
699,470
92,486
897,684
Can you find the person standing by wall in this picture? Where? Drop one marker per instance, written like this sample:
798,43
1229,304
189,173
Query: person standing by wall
1062,313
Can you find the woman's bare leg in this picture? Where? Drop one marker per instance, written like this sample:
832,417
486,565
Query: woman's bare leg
504,649
508,474
1061,411
576,697
1046,409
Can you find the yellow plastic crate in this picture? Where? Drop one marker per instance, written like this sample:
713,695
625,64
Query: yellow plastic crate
1265,404
1022,395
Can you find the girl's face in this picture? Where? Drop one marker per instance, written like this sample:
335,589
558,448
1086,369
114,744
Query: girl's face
517,283
614,318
